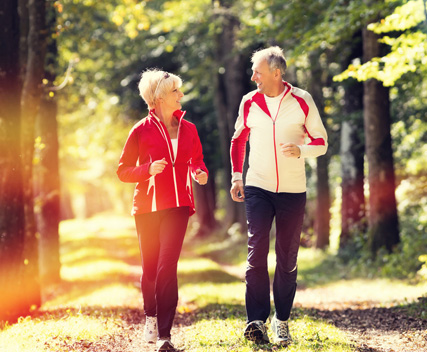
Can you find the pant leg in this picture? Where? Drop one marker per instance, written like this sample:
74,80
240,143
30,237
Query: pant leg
260,214
148,227
289,218
172,232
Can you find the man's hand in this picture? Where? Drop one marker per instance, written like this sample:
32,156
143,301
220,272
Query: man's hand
290,150
201,177
237,188
157,167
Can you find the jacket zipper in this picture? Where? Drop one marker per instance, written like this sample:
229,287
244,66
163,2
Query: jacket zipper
274,139
171,155
173,162
275,155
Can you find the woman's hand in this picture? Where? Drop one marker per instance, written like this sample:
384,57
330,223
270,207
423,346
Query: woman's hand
157,167
201,177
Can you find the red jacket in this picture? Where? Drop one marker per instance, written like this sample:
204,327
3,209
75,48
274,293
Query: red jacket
149,141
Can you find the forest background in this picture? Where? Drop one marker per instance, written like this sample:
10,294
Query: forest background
68,98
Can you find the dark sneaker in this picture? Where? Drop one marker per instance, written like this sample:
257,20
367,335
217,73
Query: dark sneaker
165,345
257,332
281,331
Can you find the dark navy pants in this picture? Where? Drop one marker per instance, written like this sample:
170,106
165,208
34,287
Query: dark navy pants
261,208
161,235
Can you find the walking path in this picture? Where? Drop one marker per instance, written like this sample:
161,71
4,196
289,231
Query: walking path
101,270
365,312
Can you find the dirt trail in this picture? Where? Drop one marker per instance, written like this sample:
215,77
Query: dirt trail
370,327
360,312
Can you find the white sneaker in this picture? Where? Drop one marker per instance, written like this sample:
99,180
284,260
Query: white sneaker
150,330
165,344
281,331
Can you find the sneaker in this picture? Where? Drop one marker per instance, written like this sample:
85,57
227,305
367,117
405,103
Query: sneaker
281,331
256,331
150,330
165,344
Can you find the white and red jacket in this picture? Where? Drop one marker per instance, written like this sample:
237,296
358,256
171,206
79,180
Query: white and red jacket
297,117
149,141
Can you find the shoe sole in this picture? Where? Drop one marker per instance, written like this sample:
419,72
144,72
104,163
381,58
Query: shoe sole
254,334
166,348
283,343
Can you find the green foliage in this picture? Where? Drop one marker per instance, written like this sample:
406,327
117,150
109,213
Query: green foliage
407,50
404,262
417,309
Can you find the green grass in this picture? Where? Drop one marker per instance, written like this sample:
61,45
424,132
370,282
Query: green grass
57,331
99,268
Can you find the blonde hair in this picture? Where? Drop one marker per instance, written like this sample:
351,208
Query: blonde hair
274,57
154,83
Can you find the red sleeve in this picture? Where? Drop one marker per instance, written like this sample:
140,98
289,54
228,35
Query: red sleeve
128,170
240,137
238,149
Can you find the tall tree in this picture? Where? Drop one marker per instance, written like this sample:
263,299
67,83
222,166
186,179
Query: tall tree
46,169
352,150
11,191
323,199
30,101
383,219
229,88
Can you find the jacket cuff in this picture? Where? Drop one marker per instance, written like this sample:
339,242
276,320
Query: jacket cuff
237,176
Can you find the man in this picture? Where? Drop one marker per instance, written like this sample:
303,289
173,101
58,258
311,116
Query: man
276,118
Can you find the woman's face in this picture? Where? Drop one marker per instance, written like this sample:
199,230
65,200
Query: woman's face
172,99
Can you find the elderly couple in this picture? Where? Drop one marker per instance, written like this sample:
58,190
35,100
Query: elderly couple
163,154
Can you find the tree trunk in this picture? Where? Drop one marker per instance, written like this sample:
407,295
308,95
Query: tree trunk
323,203
352,155
30,101
47,184
47,192
323,200
229,90
205,198
11,191
383,219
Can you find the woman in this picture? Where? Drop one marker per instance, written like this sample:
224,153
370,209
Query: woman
161,153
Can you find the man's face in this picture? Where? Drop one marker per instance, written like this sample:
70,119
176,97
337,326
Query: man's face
265,79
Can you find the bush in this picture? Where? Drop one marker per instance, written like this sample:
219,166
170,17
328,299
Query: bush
406,260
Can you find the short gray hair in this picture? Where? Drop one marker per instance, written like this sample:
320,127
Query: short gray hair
274,57
154,83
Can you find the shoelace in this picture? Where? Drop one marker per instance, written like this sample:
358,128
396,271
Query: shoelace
282,330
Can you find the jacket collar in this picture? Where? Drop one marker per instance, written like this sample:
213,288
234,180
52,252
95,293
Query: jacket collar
259,98
179,114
